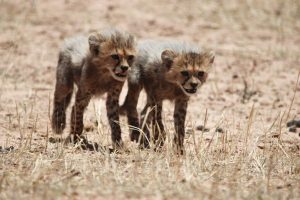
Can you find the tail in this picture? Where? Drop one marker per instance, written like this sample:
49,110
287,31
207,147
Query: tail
63,94
59,114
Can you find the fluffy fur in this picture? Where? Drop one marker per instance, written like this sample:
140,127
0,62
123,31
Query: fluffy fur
166,70
97,64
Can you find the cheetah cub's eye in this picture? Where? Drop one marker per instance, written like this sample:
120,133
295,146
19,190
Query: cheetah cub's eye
130,58
184,73
116,57
200,74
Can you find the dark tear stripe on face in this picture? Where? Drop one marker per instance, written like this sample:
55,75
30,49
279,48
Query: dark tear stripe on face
119,61
186,67
186,80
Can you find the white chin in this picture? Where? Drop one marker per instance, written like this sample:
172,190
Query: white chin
121,79
185,92
118,78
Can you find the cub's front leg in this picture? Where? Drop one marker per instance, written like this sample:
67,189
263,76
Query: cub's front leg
112,108
81,102
179,121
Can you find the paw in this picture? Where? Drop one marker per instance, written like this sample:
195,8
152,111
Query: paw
90,146
179,150
144,144
134,136
82,143
55,140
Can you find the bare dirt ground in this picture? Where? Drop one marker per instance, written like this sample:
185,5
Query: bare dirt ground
251,93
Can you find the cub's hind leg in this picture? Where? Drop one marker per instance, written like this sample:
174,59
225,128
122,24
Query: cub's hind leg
63,93
147,116
151,120
81,102
158,127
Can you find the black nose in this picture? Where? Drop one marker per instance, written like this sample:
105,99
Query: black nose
124,68
194,85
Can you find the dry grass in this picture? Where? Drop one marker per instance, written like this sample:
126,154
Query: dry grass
251,94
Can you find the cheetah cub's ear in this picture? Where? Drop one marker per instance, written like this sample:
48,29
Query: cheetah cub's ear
167,57
209,58
95,39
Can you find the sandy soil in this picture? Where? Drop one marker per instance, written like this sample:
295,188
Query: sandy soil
251,93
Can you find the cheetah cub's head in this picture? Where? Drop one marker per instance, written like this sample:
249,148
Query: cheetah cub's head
113,50
188,70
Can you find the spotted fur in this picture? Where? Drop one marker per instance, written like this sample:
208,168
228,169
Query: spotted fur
98,64
166,70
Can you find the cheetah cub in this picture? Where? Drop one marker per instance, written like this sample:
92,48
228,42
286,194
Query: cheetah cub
98,64
166,70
